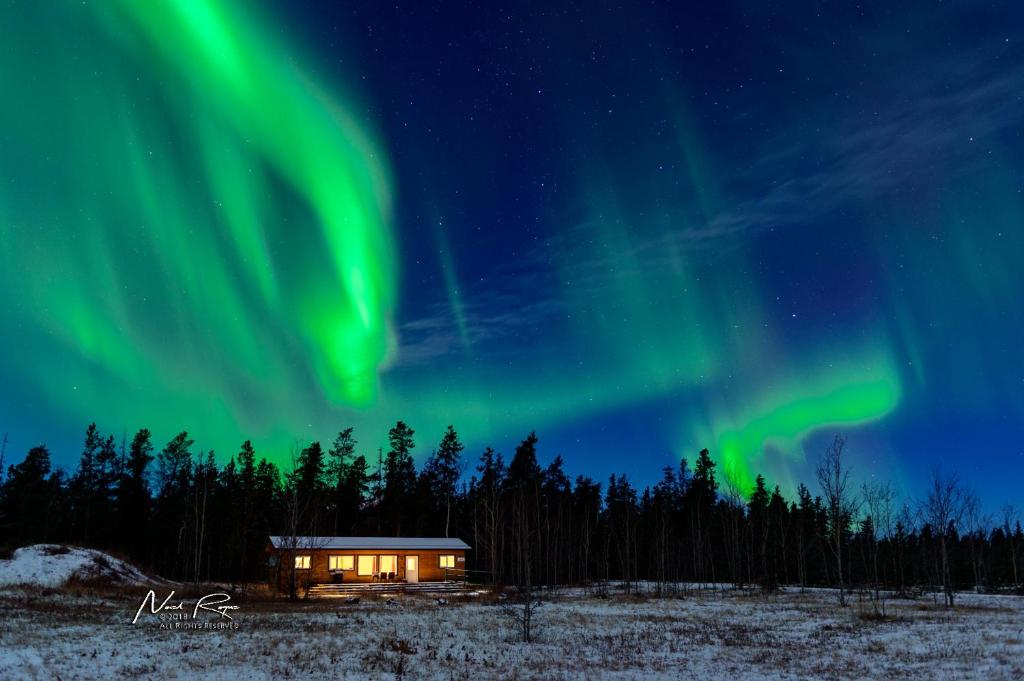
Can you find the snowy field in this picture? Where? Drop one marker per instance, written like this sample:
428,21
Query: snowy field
86,633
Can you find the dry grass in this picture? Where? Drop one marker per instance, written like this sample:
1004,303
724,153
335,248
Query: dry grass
84,632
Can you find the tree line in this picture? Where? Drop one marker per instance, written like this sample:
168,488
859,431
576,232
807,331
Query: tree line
181,515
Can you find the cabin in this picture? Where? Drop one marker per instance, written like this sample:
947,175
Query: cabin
364,560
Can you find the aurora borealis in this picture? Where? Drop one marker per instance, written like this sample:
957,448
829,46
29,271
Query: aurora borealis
206,251
636,230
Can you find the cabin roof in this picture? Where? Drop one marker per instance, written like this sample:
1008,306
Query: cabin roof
417,543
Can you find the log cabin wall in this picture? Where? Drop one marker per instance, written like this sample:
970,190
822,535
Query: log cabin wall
430,569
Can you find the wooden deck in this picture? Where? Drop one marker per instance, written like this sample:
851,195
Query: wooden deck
356,589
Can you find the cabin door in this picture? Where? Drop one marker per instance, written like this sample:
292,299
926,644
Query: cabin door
412,569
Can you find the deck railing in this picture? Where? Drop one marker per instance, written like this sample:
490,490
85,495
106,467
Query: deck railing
466,576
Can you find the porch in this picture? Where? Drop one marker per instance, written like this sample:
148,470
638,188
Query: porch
348,590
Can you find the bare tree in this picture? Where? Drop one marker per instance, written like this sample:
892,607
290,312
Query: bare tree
840,504
944,509
977,524
291,541
205,469
905,525
734,504
522,611
289,544
1010,524
878,497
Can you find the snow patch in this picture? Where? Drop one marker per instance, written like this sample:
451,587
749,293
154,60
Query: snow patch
53,565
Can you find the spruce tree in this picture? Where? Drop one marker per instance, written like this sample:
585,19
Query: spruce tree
445,471
352,494
308,483
489,498
82,488
245,500
133,495
27,500
172,512
341,453
399,479
757,509
699,502
522,487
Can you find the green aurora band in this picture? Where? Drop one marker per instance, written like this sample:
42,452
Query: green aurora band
196,210
203,240
784,418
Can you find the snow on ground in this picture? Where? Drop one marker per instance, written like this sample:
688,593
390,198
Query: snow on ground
80,634
53,565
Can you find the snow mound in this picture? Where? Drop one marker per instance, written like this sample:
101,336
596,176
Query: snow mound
53,565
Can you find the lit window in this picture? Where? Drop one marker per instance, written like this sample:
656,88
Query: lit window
302,562
448,561
365,565
340,562
389,563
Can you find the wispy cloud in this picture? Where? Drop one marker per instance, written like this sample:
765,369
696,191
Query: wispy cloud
491,316
903,145
906,142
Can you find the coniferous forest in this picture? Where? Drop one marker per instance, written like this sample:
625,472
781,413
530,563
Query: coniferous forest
173,510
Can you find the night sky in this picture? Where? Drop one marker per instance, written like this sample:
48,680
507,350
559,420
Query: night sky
640,229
